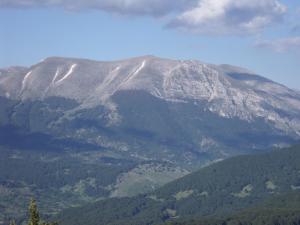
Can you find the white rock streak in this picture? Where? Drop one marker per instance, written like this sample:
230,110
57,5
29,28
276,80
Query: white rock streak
71,70
111,77
116,69
246,98
105,90
132,75
140,68
25,80
55,76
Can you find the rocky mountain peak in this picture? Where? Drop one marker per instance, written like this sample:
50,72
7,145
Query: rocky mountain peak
228,91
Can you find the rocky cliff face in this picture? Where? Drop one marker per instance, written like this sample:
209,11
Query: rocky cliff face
196,107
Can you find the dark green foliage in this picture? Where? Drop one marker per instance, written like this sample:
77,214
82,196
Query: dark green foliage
33,116
150,126
6,110
57,169
34,216
45,223
13,222
114,212
157,125
263,217
57,179
13,137
279,210
216,190
221,180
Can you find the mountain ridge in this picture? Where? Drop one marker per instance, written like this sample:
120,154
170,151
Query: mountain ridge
200,110
229,92
166,117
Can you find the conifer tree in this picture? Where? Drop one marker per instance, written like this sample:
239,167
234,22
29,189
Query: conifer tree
34,217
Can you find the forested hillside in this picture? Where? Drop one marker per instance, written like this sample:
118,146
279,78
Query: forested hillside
278,210
220,189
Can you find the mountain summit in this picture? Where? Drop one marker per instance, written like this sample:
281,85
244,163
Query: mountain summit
184,104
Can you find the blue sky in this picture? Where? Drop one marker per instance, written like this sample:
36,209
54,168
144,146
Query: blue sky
262,35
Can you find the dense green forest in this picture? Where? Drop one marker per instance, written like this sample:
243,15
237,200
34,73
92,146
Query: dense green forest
70,160
56,180
63,179
220,189
279,210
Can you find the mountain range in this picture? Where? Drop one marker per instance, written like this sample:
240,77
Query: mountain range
152,108
100,130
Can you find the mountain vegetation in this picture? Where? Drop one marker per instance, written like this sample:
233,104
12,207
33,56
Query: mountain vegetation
279,210
109,135
57,180
220,189
34,216
60,179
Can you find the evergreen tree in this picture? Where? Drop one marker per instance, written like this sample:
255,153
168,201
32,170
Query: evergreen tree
34,217
12,222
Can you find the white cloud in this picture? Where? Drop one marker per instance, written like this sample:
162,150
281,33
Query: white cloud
230,16
128,7
203,16
281,45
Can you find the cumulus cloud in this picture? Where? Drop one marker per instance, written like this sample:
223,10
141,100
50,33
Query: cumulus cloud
230,16
281,45
202,16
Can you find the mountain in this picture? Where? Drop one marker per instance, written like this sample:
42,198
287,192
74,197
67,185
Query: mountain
243,183
185,112
112,129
